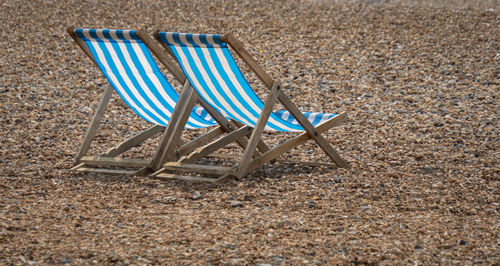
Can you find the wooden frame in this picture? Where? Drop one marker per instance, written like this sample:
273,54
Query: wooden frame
170,138
251,158
110,158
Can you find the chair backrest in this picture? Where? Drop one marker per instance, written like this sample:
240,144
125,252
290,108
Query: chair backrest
211,69
129,67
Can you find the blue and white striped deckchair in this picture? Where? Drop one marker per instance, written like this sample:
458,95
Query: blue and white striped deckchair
128,65
210,68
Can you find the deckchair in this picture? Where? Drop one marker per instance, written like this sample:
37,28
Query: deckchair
214,76
131,71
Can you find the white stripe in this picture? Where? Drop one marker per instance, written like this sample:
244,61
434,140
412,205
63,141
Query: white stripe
234,82
312,116
324,118
285,116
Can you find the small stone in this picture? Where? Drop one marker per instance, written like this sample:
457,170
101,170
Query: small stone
235,204
427,170
65,261
196,196
418,247
462,243
337,180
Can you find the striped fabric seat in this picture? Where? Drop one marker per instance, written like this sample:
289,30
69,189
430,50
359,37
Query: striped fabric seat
211,69
128,65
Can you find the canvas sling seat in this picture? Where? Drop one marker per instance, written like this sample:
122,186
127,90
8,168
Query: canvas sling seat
212,72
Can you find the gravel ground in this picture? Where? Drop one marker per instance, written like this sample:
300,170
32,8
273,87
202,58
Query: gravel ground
419,80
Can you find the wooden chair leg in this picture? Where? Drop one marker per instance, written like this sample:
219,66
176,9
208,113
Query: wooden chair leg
309,128
242,169
172,132
294,142
133,141
94,124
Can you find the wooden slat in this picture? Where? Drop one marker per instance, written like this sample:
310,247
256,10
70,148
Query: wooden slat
112,161
217,144
247,58
172,133
199,141
331,165
309,128
225,156
294,142
81,44
134,141
143,171
106,171
172,67
257,132
228,126
74,168
94,124
197,168
261,146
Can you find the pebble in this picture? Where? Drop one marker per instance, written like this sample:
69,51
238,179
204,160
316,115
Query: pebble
196,196
235,204
418,80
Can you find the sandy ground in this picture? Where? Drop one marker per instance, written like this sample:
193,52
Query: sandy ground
419,80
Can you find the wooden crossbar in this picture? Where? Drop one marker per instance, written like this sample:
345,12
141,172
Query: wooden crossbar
200,169
113,161
198,142
106,171
217,144
296,141
165,176
135,140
